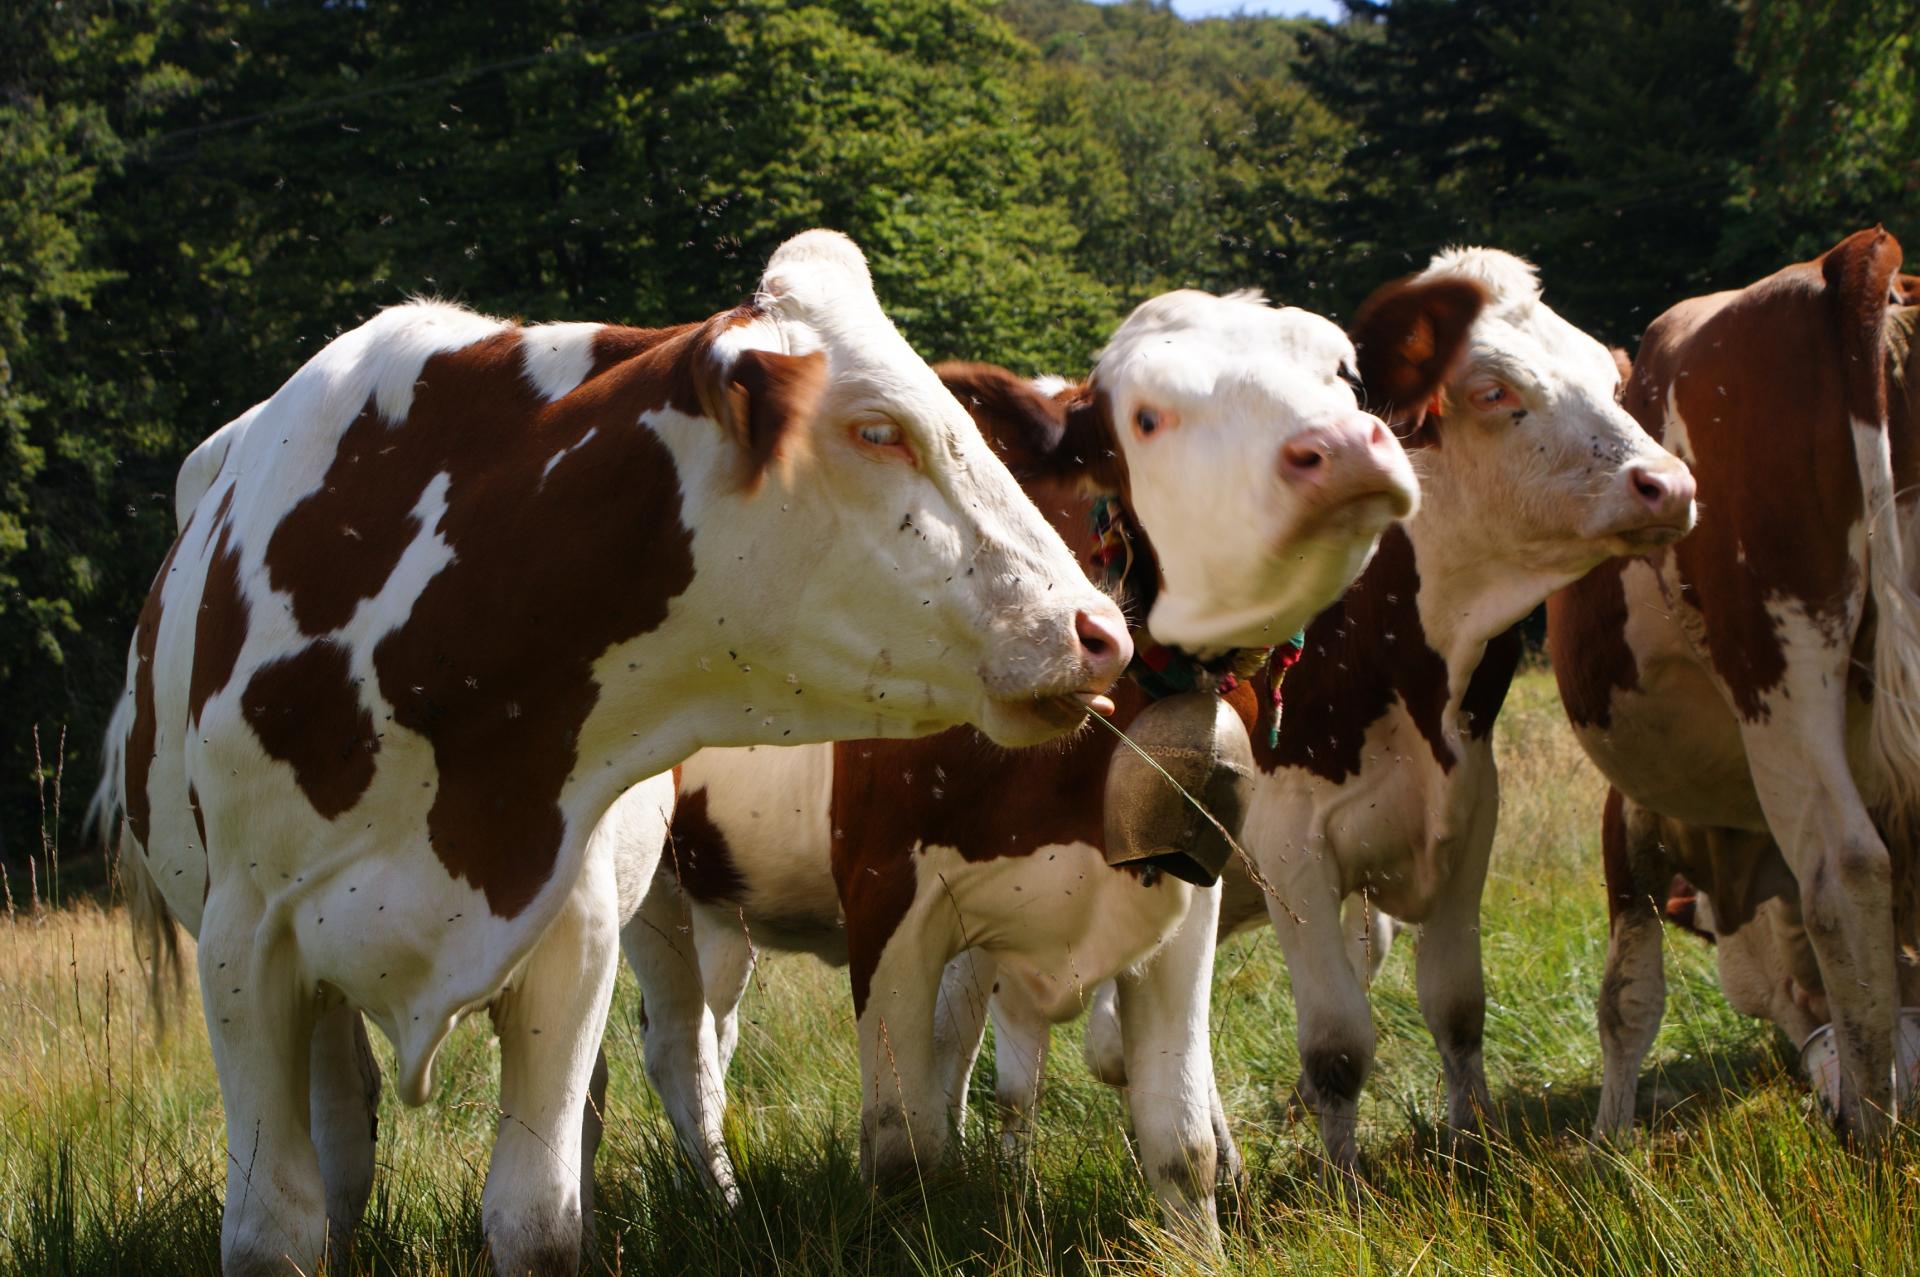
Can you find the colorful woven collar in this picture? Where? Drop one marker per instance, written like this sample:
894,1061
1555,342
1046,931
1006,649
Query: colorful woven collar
1160,670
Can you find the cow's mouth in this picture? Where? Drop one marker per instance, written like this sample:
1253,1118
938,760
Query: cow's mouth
1021,721
1651,536
1069,708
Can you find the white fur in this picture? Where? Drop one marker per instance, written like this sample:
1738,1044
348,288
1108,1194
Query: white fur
1246,559
557,357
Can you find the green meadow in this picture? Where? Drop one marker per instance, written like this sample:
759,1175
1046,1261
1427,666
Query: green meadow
111,1143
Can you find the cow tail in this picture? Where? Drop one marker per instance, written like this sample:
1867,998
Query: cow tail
156,935
1864,281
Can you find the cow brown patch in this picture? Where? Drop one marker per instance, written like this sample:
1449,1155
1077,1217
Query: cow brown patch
1361,654
960,791
1767,384
144,732
306,711
220,630
1587,640
1489,683
698,852
550,568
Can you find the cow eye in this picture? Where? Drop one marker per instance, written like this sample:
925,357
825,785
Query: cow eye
1146,421
1492,396
881,434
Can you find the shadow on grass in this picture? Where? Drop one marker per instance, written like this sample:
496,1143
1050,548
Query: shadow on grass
1677,1093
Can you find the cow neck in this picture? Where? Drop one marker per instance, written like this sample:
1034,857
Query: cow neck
1130,572
1467,600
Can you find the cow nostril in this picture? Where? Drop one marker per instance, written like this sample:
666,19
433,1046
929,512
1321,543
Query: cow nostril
1100,640
1651,489
1304,457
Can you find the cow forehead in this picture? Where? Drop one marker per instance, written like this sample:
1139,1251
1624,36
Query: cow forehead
1517,329
1192,348
1542,347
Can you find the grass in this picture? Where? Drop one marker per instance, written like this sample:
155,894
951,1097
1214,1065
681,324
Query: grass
111,1144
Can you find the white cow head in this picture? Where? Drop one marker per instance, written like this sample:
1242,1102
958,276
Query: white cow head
1526,458
929,588
1263,485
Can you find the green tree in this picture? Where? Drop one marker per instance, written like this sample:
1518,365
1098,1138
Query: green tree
1837,86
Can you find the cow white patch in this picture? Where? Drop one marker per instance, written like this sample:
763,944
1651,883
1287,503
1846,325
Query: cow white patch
557,357
562,455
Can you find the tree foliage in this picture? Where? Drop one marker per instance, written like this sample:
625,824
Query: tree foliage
195,195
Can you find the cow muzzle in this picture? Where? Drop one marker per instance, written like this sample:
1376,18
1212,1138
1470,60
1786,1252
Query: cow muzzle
1660,493
1201,743
1353,468
1043,679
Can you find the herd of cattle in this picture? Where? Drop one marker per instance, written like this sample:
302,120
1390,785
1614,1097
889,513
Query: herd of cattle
485,652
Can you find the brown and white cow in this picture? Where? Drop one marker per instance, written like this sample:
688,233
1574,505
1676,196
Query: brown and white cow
1379,788
1759,683
452,590
1255,489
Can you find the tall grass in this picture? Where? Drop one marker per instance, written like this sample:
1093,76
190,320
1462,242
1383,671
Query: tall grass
111,1143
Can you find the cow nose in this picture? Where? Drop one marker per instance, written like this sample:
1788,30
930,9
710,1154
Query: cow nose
1355,458
1105,647
1667,491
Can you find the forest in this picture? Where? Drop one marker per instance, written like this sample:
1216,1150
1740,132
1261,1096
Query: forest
196,195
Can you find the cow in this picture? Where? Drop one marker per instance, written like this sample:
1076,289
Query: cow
451,591
1252,489
1752,694
1377,792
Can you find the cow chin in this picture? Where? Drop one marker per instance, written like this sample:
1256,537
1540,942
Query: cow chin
1018,724
1646,539
1286,591
1634,537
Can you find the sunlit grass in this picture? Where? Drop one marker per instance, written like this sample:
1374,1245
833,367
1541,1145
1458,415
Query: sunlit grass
111,1143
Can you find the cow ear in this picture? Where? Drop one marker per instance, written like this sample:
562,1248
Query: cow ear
1407,336
766,401
1024,427
1860,272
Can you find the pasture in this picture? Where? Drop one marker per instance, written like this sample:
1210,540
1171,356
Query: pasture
111,1139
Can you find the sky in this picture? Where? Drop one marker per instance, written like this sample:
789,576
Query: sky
1329,9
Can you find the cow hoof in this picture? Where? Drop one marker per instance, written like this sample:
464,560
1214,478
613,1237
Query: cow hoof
536,1248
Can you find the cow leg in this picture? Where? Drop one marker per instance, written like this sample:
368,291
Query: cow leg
1021,1036
1163,1020
959,1024
726,964
260,1020
1633,991
903,1118
1845,876
1103,1049
550,1024
593,1125
681,1039
344,1116
1450,981
1335,1025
